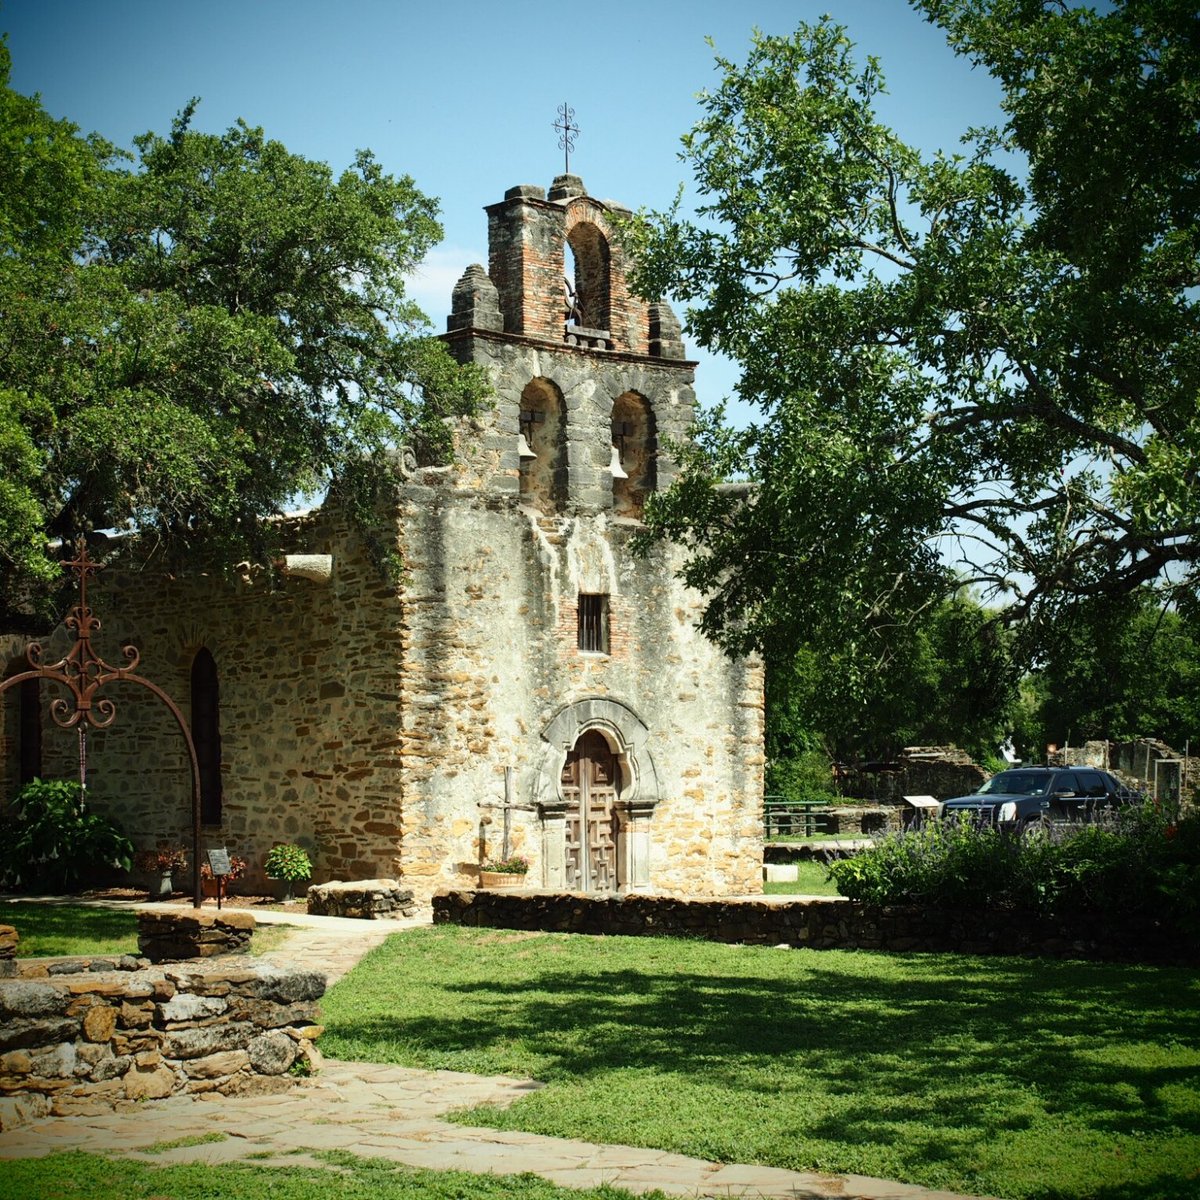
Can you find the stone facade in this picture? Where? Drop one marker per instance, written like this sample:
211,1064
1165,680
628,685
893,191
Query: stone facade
526,670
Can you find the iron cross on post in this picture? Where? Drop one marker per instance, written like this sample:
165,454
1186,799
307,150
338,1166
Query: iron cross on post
567,133
507,807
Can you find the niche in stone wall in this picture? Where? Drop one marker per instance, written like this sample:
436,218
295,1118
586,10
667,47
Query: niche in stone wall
543,479
591,278
633,435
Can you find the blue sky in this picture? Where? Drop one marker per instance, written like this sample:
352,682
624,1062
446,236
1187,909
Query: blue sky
460,96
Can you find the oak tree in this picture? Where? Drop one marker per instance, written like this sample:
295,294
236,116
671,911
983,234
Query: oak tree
977,367
195,334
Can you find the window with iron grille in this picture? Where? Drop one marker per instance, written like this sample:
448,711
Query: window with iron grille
593,623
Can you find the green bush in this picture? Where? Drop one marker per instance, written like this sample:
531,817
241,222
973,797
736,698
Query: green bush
1141,860
288,862
805,776
50,838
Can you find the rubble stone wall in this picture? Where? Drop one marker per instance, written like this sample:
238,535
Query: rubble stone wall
77,1040
822,925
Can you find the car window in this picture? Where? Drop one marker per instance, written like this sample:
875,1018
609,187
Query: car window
1091,783
1016,783
1067,781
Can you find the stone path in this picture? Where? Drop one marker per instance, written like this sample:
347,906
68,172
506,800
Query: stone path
395,1113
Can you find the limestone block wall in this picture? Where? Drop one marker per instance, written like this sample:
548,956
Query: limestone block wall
73,1044
308,698
827,925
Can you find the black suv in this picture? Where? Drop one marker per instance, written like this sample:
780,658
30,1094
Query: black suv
1029,798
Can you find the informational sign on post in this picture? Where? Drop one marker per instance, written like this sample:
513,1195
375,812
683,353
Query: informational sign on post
218,861
218,864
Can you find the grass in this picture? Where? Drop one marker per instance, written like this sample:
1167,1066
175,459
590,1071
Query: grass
50,930
812,879
92,1177
998,1076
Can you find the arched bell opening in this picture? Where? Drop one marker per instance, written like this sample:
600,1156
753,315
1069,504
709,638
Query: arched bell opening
634,454
589,268
542,447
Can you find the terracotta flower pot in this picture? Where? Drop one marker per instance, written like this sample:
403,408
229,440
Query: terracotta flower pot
501,879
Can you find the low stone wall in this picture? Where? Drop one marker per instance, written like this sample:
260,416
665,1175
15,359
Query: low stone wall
171,936
367,899
79,1040
821,925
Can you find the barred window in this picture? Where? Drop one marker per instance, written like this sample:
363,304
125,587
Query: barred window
593,623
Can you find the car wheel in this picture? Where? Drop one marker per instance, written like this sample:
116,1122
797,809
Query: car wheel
1036,829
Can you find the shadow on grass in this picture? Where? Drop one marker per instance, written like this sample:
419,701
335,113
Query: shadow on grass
935,1055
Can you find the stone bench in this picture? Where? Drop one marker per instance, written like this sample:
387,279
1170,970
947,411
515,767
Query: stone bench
366,899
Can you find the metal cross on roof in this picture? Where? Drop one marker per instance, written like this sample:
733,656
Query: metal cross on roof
568,130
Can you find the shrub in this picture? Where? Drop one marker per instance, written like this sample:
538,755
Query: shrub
288,862
1137,861
51,839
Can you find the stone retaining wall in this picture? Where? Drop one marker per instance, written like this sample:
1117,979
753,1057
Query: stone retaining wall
79,1040
821,925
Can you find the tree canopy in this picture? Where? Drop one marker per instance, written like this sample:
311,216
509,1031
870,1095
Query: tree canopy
197,335
979,367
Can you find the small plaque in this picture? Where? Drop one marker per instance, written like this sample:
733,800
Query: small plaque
218,861
922,801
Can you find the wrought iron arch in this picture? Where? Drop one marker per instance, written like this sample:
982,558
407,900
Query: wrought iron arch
84,673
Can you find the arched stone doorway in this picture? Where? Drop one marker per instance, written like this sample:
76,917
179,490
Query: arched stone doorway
597,789
590,786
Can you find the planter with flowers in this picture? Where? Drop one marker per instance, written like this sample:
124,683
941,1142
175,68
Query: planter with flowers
160,867
507,872
211,884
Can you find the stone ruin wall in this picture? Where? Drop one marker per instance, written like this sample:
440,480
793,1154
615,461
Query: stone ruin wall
309,708
78,1038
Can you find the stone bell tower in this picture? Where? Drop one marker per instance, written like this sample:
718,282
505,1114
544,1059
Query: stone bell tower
538,648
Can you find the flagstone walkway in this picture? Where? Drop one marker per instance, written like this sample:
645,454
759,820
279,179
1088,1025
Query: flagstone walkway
396,1113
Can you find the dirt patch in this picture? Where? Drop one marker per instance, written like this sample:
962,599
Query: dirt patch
269,903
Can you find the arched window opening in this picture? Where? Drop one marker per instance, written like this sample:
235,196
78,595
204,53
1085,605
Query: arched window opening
543,465
206,734
635,454
588,263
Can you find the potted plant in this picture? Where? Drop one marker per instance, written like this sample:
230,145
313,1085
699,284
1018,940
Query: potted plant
209,882
161,865
289,863
504,872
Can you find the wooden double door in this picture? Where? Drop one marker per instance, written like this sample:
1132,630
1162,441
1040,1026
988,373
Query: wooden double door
590,785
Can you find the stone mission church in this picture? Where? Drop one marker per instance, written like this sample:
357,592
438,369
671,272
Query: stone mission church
374,723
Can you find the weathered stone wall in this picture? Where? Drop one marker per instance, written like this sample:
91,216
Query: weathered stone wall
82,1042
309,707
490,636
823,925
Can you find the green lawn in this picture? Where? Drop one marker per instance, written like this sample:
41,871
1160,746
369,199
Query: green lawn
999,1076
812,880
48,930
91,1177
